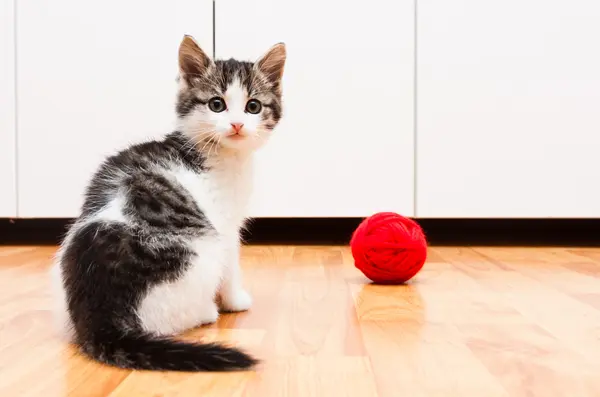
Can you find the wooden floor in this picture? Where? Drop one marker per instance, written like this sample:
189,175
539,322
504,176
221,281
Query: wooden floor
476,322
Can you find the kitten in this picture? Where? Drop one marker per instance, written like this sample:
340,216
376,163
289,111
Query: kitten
155,250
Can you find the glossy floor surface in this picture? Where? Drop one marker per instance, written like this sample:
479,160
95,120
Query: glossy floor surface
476,322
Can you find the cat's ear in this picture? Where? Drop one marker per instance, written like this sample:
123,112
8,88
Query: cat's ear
193,62
272,63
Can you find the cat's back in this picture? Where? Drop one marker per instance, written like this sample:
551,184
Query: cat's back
135,216
141,169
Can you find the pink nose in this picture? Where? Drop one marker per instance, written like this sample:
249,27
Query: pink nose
237,127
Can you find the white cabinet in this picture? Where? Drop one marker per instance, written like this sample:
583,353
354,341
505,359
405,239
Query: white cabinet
507,101
93,77
508,108
8,193
345,143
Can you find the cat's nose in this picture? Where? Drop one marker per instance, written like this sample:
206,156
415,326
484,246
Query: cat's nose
237,127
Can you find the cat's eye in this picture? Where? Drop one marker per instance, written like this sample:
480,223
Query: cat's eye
217,104
253,106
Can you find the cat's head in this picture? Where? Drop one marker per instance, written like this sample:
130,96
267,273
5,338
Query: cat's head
234,104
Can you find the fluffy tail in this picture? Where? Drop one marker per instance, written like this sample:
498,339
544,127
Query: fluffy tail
164,354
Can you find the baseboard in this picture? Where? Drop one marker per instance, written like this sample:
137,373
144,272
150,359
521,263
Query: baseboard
523,232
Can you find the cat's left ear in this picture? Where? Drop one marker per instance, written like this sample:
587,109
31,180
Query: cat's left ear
272,63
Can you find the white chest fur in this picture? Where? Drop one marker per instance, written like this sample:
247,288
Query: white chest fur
222,192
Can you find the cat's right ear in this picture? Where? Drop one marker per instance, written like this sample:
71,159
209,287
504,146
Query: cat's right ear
273,62
193,62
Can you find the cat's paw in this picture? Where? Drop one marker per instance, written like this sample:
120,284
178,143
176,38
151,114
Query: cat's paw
210,316
237,301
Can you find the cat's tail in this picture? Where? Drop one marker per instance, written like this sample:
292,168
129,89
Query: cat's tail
143,352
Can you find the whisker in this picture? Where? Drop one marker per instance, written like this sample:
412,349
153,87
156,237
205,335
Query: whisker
206,143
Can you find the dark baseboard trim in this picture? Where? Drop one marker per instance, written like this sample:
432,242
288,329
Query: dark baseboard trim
497,232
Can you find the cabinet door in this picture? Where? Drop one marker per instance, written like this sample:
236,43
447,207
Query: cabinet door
8,193
508,108
93,77
345,144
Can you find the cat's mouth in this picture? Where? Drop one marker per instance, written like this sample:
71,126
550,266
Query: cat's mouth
235,136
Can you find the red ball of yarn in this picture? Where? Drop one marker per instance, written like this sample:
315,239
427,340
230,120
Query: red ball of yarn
389,248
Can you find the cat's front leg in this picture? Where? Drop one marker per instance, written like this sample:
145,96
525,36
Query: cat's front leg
232,296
